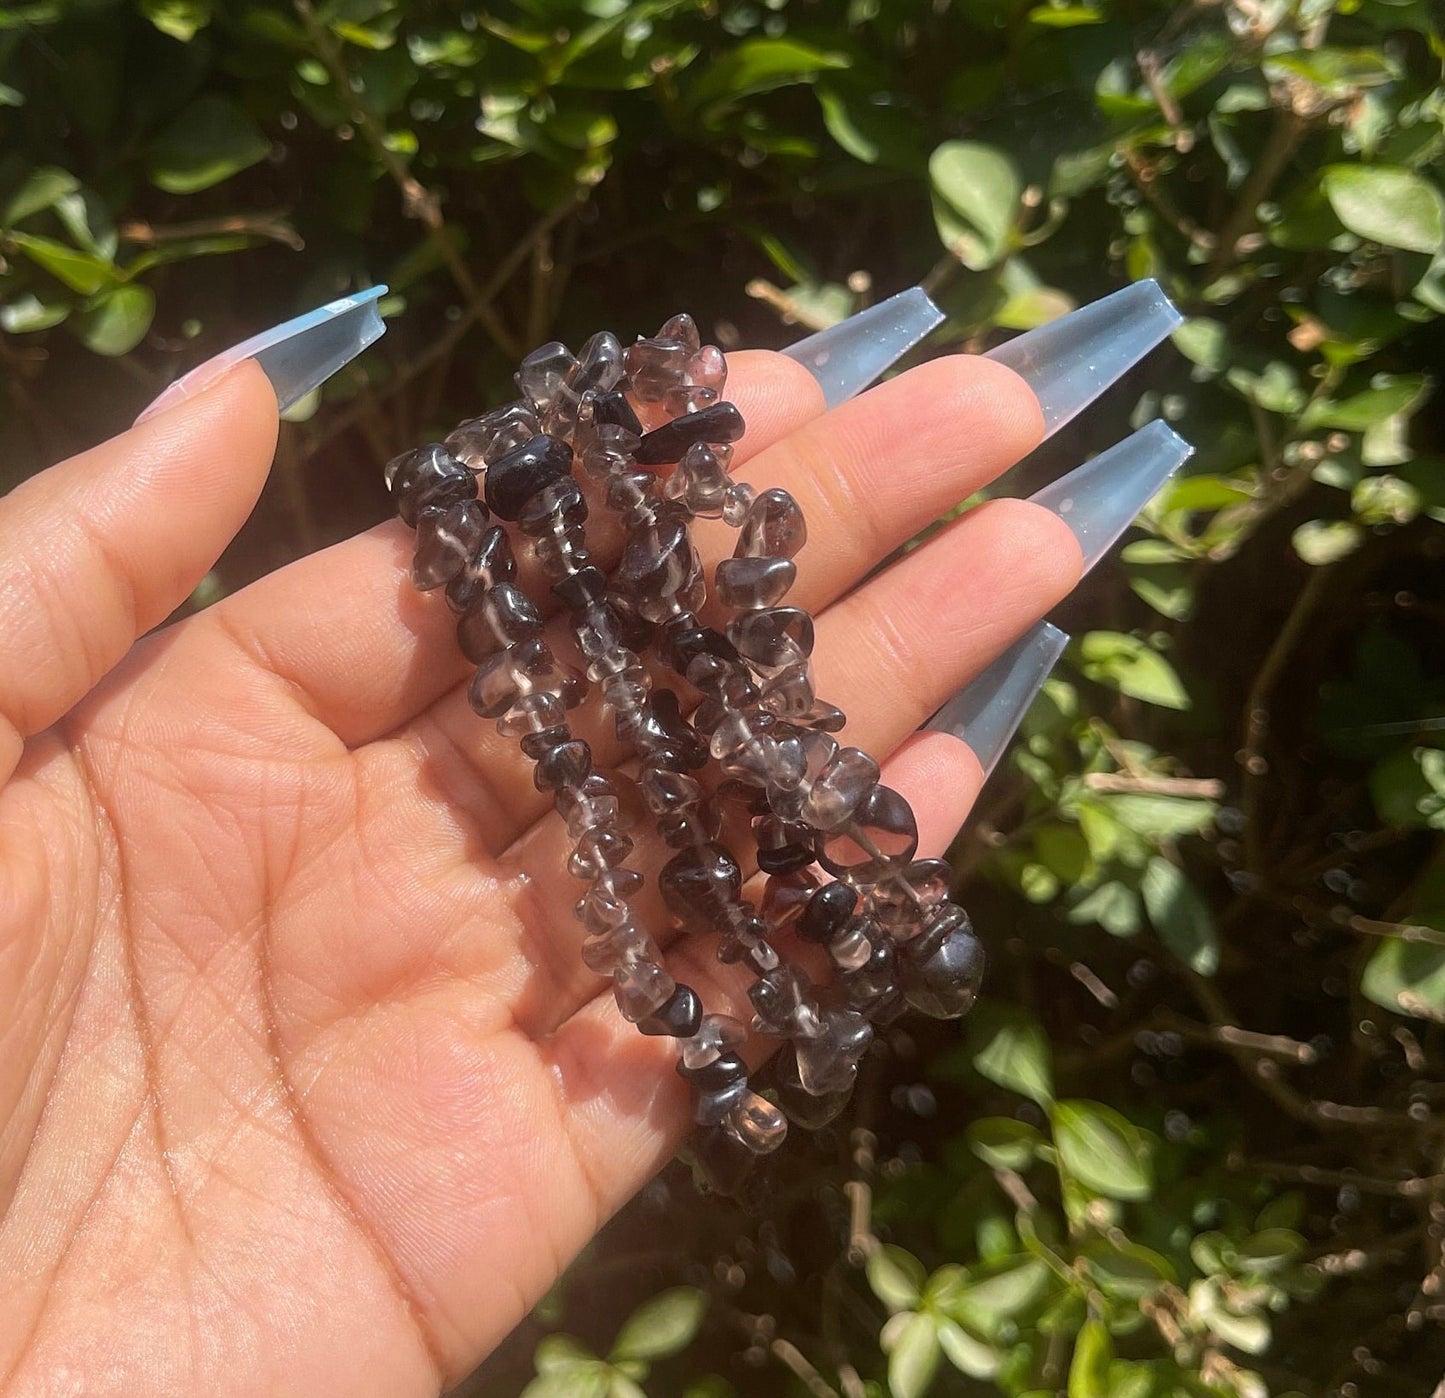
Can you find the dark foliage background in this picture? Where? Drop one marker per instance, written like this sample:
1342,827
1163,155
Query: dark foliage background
1192,1144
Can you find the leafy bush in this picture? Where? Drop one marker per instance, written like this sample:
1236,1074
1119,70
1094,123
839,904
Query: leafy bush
1191,1145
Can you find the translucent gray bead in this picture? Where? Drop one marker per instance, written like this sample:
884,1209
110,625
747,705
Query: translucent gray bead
827,1061
688,398
430,475
707,368
774,527
700,482
738,501
585,807
658,558
838,790
520,670
773,638
598,851
785,896
746,584
599,365
852,945
758,1124
514,479
543,372
641,989
719,423
491,563
682,328
879,840
697,883
445,540
654,366
901,903
606,902
942,978
777,997
665,791
716,1035
505,618
481,440
614,948
532,713
788,692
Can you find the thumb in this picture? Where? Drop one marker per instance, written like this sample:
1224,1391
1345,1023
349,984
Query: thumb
97,550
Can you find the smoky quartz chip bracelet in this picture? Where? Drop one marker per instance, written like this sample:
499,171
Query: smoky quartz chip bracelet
737,745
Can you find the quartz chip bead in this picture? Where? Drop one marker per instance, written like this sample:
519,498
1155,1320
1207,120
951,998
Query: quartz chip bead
658,559
878,840
682,328
679,1017
789,693
900,904
778,996
750,584
481,440
872,986
707,367
840,789
758,1124
700,481
598,369
698,883
614,948
717,1087
657,364
677,402
714,1036
506,617
943,967
514,479
786,897
428,476
611,409
810,1111
523,669
719,424
591,804
533,713
827,1060
492,562
773,528
543,372
606,903
597,852
772,638
641,989
446,540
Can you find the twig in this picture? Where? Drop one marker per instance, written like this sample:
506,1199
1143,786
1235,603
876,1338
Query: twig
793,1359
260,225
1404,931
785,305
1284,139
859,1192
418,201
1256,711
1412,1187
1121,783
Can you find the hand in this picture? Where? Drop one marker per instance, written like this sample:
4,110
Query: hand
305,1088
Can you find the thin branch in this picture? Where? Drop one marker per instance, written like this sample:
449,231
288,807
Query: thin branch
1412,1187
272,226
1284,139
1121,783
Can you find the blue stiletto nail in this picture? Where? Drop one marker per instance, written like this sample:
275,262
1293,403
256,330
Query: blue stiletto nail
1070,361
987,711
1101,498
847,357
297,355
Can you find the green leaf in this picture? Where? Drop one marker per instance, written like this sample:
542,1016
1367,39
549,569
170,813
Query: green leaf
1203,341
1004,1144
1387,204
211,140
181,19
116,321
1089,1368
561,1352
1322,541
976,198
1407,977
1163,817
584,1381
80,271
874,134
1127,664
1180,916
914,1358
761,65
1389,396
1408,788
38,191
664,1325
27,314
1126,1269
1103,1150
986,1298
1010,1048
896,1276
966,1353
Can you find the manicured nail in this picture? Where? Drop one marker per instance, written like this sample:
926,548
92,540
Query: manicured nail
1100,499
296,355
847,357
1070,361
987,711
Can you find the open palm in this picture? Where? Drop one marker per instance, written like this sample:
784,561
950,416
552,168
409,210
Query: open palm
303,1085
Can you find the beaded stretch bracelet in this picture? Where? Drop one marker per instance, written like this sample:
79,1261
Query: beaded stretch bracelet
759,739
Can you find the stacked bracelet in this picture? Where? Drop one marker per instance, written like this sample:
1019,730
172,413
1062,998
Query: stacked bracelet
649,428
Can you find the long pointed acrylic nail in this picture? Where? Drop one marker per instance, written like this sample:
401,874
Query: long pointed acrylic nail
1101,498
987,711
1070,361
297,355
847,357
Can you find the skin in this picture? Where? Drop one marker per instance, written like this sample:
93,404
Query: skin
303,1086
